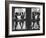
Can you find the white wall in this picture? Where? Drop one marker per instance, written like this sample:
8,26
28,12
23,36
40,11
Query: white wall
2,19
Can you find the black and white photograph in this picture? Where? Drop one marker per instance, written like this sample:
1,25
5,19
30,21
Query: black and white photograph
25,18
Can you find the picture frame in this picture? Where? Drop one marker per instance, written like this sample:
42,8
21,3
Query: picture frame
11,7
